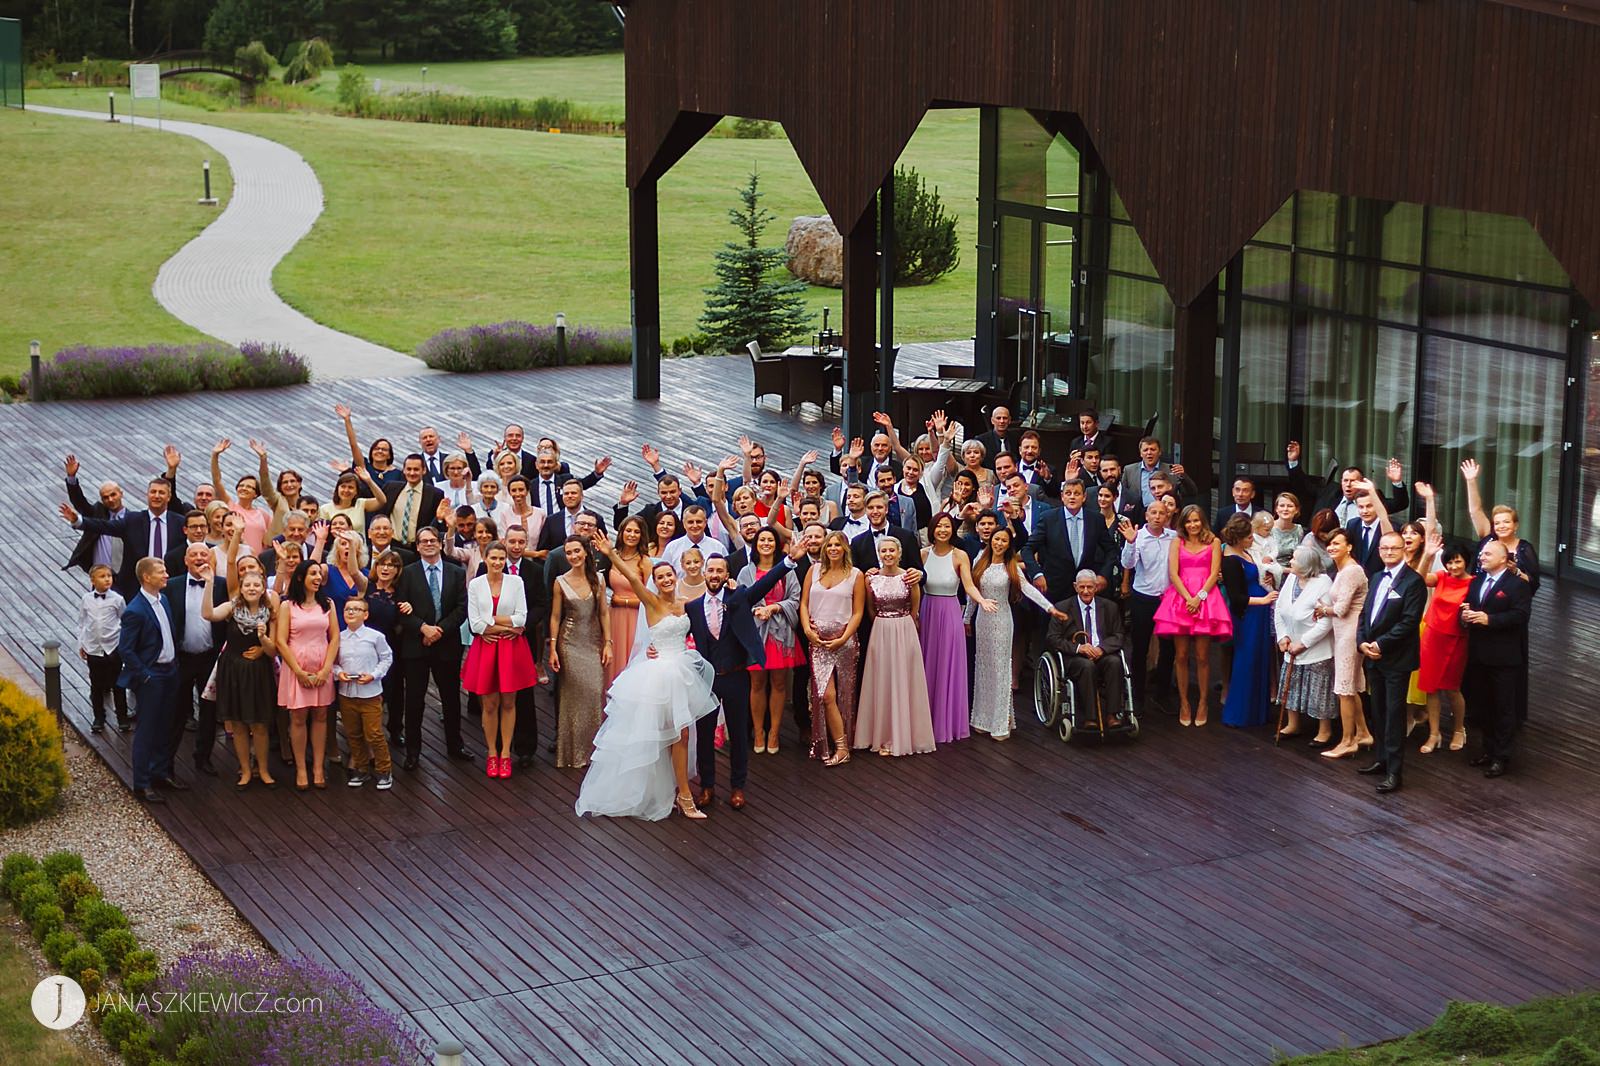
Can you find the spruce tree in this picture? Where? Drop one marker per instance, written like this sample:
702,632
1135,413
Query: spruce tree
748,303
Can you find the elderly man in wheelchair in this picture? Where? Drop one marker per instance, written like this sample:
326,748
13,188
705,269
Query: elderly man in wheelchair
1082,682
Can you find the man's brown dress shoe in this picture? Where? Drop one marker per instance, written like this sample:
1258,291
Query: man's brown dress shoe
736,801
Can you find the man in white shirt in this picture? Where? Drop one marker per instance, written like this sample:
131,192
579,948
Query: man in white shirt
1146,555
99,630
853,522
1388,642
189,595
149,652
1090,642
1023,497
433,457
694,536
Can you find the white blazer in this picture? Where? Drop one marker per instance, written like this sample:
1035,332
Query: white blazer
1295,621
480,602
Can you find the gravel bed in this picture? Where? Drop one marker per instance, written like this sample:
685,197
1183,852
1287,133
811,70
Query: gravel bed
173,907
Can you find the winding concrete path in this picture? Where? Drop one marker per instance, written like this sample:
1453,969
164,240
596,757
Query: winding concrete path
221,282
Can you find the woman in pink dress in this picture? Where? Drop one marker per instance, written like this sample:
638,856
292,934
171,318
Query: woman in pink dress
777,618
1343,604
831,604
243,502
1189,613
499,664
307,637
624,604
896,717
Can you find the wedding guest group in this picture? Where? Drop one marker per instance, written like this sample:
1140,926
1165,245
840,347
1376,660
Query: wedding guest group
891,601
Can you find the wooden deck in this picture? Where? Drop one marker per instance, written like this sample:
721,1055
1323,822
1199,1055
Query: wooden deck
1192,897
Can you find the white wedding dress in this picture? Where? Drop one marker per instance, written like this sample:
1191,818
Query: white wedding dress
651,702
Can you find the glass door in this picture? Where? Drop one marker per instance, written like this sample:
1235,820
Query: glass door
1585,536
1037,313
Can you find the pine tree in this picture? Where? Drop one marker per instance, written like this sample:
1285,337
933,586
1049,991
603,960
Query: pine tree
926,247
747,303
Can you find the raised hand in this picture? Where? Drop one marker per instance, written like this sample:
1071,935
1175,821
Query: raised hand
939,420
985,498
809,457
729,462
1177,469
342,410
72,465
1396,472
1291,452
858,448
602,464
745,446
651,457
1424,490
1470,469
444,510
68,513
464,442
258,447
319,528
797,549
221,446
338,468
693,473
172,455
838,439
630,492
1435,542
882,419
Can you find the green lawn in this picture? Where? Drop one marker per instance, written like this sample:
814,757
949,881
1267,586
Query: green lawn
92,210
22,1038
428,227
594,81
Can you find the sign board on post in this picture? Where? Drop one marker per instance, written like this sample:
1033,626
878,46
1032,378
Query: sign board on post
145,79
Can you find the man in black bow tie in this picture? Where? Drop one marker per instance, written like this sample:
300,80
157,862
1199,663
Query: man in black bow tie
198,642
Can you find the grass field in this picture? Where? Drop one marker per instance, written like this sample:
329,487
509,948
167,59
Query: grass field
92,210
428,227
22,1038
594,81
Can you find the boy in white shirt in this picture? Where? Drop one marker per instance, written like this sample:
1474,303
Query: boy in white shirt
99,630
364,659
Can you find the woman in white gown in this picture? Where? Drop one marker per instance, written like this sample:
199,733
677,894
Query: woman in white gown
640,759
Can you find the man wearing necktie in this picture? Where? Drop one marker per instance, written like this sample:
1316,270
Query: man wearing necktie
148,648
1366,529
1495,617
415,506
1387,636
1065,541
141,533
1089,636
434,588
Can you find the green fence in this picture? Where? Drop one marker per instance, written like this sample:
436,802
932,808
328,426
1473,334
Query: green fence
10,63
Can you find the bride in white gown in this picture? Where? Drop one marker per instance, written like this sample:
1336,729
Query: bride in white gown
640,761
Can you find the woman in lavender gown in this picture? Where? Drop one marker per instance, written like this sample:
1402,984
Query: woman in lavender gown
831,605
894,717
946,571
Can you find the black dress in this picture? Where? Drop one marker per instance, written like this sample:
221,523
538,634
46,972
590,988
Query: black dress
246,688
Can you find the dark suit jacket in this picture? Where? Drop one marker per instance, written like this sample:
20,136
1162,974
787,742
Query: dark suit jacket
140,642
1393,623
864,549
1367,556
83,552
178,605
1397,500
1108,622
1227,511
1131,492
1102,440
1500,642
554,531
427,514
134,530
412,588
555,564
994,444
740,645
1048,551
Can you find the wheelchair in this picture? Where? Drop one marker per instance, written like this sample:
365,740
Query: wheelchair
1055,700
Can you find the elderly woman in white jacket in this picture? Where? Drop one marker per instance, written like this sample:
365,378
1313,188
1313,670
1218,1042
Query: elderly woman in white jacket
499,663
1306,684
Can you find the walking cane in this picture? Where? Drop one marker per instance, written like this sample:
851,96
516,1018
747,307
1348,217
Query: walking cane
1283,696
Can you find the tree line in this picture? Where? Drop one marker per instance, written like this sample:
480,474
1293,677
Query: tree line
378,29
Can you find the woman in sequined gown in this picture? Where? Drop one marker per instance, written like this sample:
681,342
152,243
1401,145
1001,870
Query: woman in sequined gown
831,606
580,647
999,577
895,718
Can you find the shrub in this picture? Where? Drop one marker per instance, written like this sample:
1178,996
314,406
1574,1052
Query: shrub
45,919
193,1052
74,887
95,916
498,112
754,129
87,373
136,1048
56,945
33,770
1569,1051
925,244
521,346
354,88
140,959
58,864
12,869
91,980
115,944
254,60
81,958
37,893
137,982
117,1023
1475,1029
346,1020
310,59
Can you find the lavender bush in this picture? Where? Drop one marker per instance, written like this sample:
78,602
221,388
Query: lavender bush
87,373
521,346
345,1029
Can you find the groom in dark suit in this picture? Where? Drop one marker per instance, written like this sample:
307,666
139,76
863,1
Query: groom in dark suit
149,651
1389,648
725,634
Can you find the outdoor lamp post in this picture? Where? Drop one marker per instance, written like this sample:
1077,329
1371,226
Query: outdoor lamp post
561,339
448,1053
207,199
111,103
52,682
35,389
424,77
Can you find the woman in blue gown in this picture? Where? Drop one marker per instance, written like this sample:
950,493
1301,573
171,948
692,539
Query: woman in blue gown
1250,684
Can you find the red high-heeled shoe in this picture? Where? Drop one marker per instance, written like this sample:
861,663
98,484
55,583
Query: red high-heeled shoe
492,767
505,766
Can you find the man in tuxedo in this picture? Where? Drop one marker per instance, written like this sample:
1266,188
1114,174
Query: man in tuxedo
1034,469
199,640
1136,478
1067,540
1366,533
999,437
430,641
1495,616
148,648
1089,638
413,506
748,526
1244,502
864,545
1343,496
1387,636
725,634
563,522
853,520
144,534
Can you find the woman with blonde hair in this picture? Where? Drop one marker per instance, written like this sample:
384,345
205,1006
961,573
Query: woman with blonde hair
832,602
1189,612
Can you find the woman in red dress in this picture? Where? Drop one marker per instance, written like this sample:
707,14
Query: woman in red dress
499,664
1444,644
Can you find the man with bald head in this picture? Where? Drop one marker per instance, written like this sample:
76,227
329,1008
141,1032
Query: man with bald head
1001,437
149,533
93,549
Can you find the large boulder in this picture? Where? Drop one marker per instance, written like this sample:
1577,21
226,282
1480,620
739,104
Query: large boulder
816,251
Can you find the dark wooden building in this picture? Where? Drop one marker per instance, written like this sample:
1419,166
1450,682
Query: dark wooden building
1369,226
